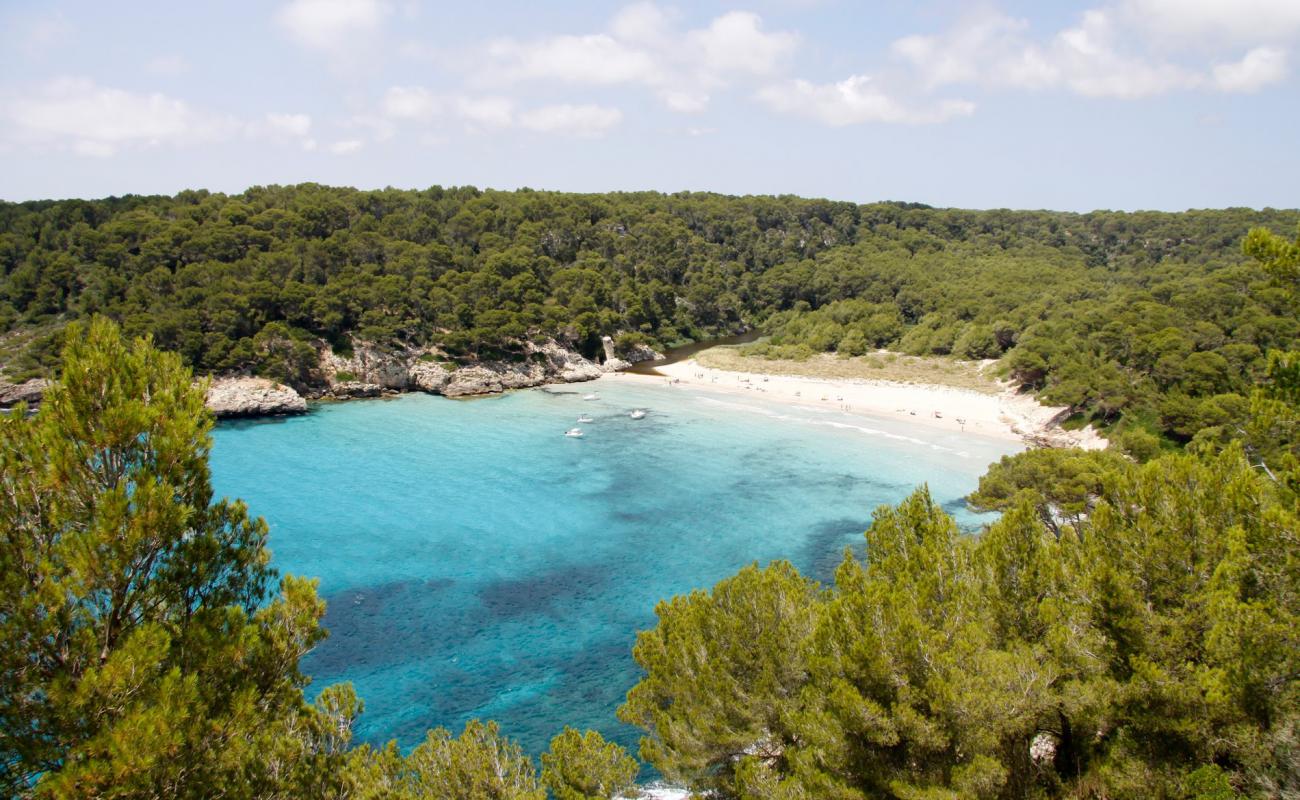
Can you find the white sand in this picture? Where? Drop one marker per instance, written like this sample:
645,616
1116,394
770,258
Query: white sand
1007,414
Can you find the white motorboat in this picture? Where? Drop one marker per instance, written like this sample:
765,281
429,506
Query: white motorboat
637,414
574,433
586,418
592,396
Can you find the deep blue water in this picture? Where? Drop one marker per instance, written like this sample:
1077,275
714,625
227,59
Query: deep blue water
477,563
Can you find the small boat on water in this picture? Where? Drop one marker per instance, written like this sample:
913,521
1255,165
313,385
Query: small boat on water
586,418
638,414
574,433
592,396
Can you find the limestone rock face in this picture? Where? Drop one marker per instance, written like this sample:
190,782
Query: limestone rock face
252,397
404,370
567,365
614,365
492,377
29,392
428,376
356,389
369,363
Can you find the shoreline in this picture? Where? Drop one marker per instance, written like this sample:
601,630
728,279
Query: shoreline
1007,415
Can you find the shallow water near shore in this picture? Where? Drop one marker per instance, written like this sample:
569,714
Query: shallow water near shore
478,563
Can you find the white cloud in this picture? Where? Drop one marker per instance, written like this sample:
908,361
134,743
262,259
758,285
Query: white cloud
419,104
289,124
597,59
585,121
97,120
331,25
1090,63
643,24
487,112
1106,54
641,46
736,43
409,102
980,46
684,102
80,116
854,100
1233,22
345,146
1259,67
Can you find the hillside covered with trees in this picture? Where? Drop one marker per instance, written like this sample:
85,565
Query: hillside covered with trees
1152,322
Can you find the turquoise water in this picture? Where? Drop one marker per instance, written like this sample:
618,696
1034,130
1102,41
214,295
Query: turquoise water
477,563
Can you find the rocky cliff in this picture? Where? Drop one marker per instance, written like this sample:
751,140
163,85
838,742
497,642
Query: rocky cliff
371,371
369,367
252,397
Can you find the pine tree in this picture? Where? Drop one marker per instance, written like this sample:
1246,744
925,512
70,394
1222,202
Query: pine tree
139,656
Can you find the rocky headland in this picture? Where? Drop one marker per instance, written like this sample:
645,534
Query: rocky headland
371,370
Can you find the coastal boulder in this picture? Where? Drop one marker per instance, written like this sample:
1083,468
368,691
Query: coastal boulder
29,392
252,397
642,352
428,376
493,376
466,381
615,365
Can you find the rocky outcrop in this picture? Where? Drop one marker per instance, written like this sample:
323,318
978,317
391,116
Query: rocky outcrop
29,392
640,353
351,389
566,365
489,379
428,376
368,363
420,369
252,397
634,354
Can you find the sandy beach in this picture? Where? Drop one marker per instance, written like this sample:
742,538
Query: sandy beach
1006,414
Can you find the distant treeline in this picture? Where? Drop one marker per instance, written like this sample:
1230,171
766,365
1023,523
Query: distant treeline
1155,320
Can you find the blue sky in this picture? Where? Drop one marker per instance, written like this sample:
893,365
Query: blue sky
1122,104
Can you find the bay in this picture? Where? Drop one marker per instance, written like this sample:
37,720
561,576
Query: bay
478,563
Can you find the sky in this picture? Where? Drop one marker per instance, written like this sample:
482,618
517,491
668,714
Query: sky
1101,104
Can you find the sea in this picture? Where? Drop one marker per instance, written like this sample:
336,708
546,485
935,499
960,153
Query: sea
478,563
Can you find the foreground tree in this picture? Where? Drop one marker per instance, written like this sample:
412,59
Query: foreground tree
1150,648
723,671
583,766
480,764
139,656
